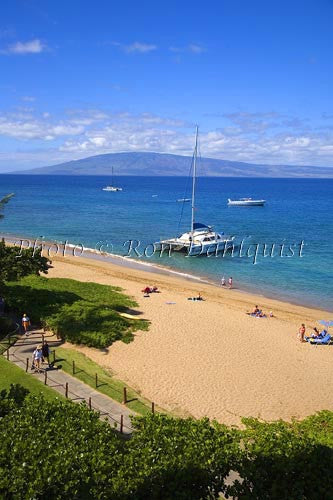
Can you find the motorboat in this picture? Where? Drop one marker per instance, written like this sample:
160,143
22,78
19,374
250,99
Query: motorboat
246,202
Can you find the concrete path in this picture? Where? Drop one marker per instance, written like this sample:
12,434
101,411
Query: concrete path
117,415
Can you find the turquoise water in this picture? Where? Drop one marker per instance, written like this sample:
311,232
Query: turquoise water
77,210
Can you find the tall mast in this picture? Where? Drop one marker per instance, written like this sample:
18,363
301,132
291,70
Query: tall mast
194,176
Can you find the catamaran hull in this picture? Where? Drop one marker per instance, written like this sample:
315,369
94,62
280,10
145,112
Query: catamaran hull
252,203
169,246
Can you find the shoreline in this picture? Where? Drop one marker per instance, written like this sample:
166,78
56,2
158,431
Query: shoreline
153,268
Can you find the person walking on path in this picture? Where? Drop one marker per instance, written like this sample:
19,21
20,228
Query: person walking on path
230,282
46,352
2,306
26,324
37,358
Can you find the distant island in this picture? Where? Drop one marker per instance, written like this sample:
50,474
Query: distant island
160,164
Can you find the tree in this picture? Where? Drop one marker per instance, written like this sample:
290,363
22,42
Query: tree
4,201
15,263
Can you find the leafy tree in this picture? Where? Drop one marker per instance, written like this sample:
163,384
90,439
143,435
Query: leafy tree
286,461
16,263
59,450
3,202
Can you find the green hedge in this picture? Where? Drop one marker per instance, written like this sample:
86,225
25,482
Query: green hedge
59,450
82,313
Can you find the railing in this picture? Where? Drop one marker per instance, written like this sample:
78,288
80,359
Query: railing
6,343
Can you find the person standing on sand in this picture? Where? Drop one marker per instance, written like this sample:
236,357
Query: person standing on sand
230,282
223,281
25,324
301,333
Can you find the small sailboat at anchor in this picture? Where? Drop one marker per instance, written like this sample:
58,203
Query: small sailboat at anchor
112,187
200,239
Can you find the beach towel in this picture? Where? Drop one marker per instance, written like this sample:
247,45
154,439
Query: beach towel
324,341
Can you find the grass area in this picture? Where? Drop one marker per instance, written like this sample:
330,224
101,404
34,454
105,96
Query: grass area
82,313
86,369
12,374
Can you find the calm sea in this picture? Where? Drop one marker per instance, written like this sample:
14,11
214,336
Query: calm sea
294,230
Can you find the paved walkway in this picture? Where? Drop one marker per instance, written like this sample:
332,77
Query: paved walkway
118,415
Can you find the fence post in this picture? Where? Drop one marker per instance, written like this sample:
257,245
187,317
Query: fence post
153,408
89,403
7,353
27,365
73,367
121,424
54,357
96,380
45,377
66,390
43,341
125,396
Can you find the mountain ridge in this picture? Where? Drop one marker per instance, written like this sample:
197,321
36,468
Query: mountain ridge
165,164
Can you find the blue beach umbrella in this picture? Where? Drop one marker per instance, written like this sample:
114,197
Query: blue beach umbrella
326,323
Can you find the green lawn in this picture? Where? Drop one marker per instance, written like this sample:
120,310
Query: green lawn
82,313
12,374
86,369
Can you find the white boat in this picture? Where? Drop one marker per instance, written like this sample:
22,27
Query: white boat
112,187
246,202
183,200
201,239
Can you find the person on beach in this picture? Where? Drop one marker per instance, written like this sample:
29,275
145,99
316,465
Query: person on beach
25,324
230,282
301,333
37,358
223,281
255,310
46,352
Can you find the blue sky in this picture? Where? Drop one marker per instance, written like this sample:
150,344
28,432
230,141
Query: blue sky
81,78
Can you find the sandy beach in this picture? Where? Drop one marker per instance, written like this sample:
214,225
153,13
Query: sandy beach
209,358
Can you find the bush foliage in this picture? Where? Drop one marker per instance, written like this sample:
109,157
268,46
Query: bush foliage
82,313
61,450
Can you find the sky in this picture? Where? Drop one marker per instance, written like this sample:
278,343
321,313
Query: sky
80,78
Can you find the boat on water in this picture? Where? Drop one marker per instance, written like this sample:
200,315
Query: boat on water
246,202
112,187
200,239
183,200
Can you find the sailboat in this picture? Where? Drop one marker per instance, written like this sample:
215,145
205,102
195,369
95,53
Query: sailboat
112,187
200,239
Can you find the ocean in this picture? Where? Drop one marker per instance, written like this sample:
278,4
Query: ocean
286,246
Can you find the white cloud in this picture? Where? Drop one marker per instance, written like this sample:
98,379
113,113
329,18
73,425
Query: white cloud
28,98
252,137
30,47
192,47
139,47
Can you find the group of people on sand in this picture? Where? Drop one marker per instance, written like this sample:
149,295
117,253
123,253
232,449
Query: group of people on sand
149,289
316,334
40,355
224,283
